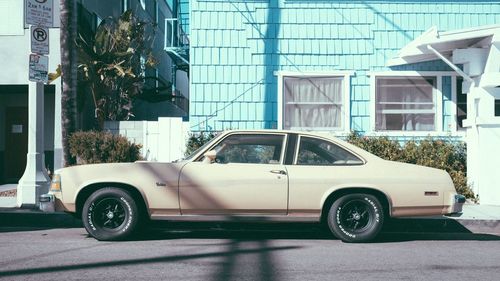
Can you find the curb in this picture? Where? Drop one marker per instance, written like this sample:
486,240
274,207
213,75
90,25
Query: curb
481,226
15,217
8,202
442,225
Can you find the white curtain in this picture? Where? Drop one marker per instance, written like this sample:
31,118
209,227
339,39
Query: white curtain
312,102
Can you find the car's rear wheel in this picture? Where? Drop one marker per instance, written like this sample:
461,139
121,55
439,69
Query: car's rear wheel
356,217
110,214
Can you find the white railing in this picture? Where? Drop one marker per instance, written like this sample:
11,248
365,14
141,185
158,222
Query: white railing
175,39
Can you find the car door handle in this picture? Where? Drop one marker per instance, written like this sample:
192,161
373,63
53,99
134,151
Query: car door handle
280,172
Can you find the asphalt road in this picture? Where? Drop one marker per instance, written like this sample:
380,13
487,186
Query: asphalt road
278,254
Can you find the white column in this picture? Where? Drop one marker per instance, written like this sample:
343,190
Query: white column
483,137
472,138
58,151
35,180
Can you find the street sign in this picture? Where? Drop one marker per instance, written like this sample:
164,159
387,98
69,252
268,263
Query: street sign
39,68
39,40
40,12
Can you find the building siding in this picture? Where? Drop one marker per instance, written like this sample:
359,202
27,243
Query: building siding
237,46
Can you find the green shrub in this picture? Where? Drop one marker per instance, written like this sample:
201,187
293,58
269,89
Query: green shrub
383,147
102,147
196,140
429,152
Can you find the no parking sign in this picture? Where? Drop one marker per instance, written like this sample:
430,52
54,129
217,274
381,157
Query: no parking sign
39,40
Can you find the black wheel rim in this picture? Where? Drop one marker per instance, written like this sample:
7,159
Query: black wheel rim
355,216
109,214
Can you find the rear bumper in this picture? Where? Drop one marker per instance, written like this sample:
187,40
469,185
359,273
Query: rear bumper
47,203
456,204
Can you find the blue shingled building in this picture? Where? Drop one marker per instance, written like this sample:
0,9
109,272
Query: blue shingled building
407,69
323,65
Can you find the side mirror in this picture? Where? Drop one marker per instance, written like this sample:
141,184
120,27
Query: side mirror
210,156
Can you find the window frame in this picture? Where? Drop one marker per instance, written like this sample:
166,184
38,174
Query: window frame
297,148
282,152
345,125
439,130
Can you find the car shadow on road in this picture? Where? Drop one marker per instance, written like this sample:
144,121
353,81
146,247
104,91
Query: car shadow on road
414,229
396,230
234,230
433,236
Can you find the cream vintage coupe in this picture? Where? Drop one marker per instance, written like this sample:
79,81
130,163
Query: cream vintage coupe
265,175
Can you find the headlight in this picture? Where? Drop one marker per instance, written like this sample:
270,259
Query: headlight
55,185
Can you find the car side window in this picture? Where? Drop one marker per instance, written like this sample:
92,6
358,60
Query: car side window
250,148
319,152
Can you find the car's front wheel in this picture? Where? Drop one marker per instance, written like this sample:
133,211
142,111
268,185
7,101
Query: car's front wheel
110,214
356,217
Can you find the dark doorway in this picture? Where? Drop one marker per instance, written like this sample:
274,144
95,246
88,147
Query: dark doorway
16,143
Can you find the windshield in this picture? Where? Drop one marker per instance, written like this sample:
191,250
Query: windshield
191,156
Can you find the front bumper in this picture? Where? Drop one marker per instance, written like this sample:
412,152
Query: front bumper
47,203
457,204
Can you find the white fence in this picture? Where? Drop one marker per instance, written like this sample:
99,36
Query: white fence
163,140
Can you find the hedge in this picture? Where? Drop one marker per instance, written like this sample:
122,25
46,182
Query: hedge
102,147
435,153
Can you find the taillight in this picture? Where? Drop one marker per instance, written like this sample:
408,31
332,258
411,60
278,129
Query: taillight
55,185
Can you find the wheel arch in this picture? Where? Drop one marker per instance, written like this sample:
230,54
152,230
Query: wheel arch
87,190
381,196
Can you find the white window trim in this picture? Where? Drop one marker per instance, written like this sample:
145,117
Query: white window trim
125,6
454,106
346,122
438,95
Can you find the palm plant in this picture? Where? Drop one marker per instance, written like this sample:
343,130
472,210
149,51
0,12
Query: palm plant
112,63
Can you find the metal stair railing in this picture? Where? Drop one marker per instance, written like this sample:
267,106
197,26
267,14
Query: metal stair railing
176,41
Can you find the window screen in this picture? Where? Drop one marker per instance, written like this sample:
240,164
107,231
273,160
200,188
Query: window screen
405,103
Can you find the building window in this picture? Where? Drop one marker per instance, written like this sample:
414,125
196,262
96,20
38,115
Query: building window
314,102
461,104
497,107
11,17
405,103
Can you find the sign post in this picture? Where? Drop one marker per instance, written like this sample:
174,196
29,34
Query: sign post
35,180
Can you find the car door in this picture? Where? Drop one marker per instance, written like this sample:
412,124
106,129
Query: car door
247,178
318,166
